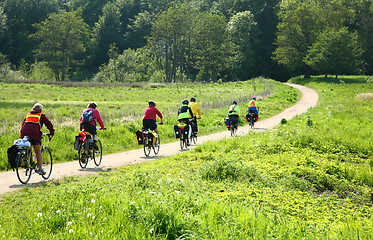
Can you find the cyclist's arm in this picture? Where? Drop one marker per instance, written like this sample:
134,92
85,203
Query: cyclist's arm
159,114
199,112
48,124
96,115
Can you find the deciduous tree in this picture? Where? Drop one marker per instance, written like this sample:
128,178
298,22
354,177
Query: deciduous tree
62,38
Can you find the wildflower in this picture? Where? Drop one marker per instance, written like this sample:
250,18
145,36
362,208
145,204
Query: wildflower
40,214
132,203
58,211
88,215
93,201
100,207
151,230
69,223
71,231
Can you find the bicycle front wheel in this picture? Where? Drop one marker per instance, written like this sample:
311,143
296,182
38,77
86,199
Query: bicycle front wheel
97,153
83,156
23,168
47,162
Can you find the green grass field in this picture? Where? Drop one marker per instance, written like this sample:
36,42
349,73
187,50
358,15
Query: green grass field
310,178
122,108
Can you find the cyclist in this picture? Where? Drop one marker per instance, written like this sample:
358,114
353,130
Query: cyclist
253,106
150,117
196,110
185,115
88,121
31,127
234,114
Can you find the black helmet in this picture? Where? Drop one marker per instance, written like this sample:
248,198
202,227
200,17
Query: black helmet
254,98
234,102
193,99
92,105
185,101
151,103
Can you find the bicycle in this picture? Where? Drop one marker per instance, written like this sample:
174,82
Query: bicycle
251,118
233,126
25,162
193,137
149,144
184,140
88,150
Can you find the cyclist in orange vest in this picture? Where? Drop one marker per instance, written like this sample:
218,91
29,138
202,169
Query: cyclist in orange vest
253,106
31,127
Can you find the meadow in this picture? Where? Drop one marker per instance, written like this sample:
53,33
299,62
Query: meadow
310,178
122,108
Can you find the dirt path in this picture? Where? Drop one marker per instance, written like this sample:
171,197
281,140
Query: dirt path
9,181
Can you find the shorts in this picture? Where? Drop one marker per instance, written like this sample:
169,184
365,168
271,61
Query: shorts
89,128
34,142
149,124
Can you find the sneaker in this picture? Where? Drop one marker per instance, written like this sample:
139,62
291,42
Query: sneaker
40,171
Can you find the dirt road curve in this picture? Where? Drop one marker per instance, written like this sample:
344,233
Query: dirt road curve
9,181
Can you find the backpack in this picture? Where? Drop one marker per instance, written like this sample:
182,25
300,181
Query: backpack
87,116
12,155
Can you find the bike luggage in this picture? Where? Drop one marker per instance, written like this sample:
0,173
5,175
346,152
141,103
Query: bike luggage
12,155
227,122
77,142
176,131
139,137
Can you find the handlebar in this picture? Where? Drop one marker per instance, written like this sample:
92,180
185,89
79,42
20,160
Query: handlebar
102,128
160,123
48,135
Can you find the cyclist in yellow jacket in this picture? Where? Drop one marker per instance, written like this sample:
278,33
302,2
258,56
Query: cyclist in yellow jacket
185,115
234,114
196,110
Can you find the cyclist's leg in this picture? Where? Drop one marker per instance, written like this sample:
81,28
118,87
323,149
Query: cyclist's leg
39,157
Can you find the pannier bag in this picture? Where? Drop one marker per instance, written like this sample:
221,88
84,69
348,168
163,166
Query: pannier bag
154,136
12,155
176,131
77,142
227,122
139,137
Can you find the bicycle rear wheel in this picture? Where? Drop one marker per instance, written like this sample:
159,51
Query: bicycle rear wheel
97,153
47,162
83,156
233,131
147,147
23,168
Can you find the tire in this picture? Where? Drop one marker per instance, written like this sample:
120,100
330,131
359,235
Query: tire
147,147
182,141
97,153
47,162
233,131
194,138
156,147
83,160
23,167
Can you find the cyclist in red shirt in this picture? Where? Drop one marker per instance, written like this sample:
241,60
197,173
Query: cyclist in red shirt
31,127
150,117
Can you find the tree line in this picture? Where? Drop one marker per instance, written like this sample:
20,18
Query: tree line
190,40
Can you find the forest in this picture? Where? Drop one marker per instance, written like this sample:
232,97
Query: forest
183,41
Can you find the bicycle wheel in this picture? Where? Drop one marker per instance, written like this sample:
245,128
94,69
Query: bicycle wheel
23,167
157,146
97,153
47,162
233,131
194,138
83,157
147,147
